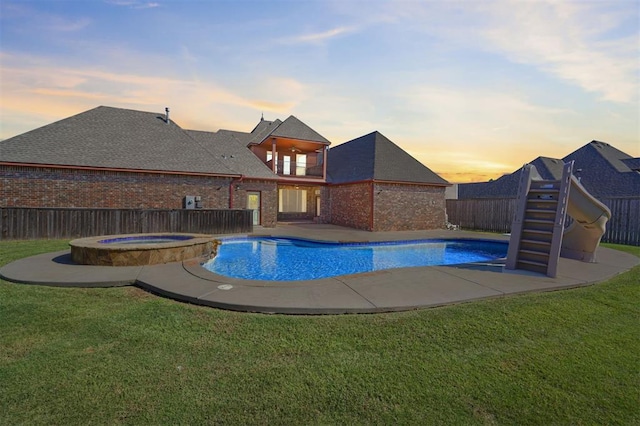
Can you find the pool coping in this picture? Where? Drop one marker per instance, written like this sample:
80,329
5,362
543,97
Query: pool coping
380,291
111,250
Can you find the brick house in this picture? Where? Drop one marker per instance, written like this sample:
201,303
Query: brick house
377,186
283,170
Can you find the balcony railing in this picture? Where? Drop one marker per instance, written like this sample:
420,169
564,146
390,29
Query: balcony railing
297,169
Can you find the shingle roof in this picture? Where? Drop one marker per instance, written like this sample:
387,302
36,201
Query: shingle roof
296,129
611,155
632,163
603,170
506,186
262,130
230,147
373,156
107,137
291,128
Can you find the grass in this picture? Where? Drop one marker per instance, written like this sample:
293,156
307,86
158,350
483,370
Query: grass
121,355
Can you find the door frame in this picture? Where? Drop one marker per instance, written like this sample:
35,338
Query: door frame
257,213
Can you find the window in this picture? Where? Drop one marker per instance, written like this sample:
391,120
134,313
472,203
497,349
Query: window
301,164
287,164
292,201
270,157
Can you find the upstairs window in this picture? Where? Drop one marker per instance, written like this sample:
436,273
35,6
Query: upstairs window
286,159
301,164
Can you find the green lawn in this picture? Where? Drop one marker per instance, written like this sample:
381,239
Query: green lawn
121,355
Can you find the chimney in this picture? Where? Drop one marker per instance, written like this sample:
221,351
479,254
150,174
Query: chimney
166,118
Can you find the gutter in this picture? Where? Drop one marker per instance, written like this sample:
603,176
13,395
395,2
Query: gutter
396,182
112,169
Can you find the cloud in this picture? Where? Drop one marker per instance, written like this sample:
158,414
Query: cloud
592,45
52,91
64,25
479,130
572,41
318,37
133,4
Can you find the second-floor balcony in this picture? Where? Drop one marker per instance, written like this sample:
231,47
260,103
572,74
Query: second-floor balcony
293,158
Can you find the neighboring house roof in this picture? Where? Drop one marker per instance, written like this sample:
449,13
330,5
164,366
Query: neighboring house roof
549,168
506,186
291,128
374,157
604,171
115,138
230,148
632,163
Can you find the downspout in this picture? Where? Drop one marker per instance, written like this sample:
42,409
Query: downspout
232,190
324,162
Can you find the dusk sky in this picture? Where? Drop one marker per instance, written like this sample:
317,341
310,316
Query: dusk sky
472,89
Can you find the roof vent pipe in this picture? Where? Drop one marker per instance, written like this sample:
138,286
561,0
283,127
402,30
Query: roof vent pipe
166,118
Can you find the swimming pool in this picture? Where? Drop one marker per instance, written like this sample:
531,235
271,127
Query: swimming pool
289,259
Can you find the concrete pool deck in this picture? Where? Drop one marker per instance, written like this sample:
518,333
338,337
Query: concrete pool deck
380,291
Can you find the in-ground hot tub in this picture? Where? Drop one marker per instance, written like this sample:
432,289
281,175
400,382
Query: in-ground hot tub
141,249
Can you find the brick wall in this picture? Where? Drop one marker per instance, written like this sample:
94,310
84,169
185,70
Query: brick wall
396,206
399,207
351,205
268,199
325,205
51,187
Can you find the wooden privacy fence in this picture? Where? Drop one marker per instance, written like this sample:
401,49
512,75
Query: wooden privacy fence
496,215
34,223
485,214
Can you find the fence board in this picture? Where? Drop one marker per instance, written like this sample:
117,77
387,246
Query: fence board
491,214
36,223
496,215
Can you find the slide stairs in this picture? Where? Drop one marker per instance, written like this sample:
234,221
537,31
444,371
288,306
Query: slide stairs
538,226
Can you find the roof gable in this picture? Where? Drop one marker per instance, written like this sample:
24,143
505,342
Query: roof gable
374,157
293,128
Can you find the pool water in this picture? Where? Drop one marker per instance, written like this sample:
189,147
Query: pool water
148,239
287,259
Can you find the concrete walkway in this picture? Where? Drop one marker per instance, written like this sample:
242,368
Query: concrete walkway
380,291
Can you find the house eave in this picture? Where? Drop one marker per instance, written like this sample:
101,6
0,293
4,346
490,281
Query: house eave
411,183
112,169
395,182
288,140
